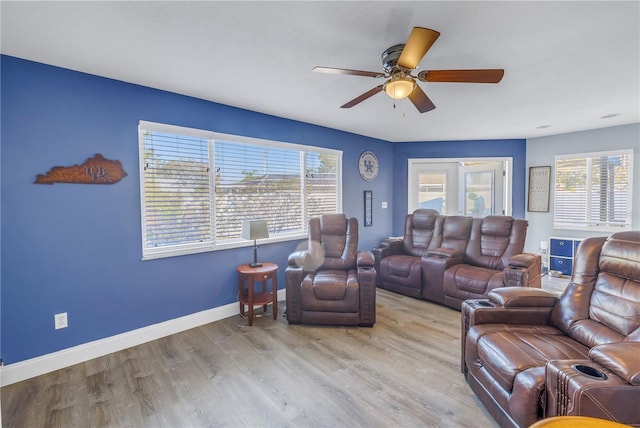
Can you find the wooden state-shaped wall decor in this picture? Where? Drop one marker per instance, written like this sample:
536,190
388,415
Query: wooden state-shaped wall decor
95,170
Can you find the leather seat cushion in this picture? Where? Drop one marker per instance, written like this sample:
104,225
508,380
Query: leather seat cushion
330,284
402,269
506,353
472,279
330,291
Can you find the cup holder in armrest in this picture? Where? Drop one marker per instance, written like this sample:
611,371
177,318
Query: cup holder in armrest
589,371
484,303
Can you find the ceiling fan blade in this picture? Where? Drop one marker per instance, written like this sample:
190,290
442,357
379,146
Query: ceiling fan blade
359,99
332,70
419,42
421,100
463,76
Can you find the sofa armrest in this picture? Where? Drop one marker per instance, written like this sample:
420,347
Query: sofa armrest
444,253
298,258
518,297
572,392
510,305
524,270
393,242
365,259
523,260
293,276
622,358
367,282
388,247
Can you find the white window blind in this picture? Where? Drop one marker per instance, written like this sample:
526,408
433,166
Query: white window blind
176,190
198,186
321,170
593,191
257,181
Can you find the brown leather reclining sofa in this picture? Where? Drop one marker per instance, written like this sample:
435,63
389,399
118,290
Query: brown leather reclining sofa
448,259
530,355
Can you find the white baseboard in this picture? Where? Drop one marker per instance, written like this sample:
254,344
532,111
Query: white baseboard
27,369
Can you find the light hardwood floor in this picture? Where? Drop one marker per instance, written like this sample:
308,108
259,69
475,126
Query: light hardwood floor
403,372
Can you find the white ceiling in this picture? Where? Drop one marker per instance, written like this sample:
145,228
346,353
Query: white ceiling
567,64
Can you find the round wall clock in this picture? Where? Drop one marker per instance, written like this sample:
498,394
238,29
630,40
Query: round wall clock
368,166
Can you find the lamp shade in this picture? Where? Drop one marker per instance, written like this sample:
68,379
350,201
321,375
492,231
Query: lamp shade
399,87
254,229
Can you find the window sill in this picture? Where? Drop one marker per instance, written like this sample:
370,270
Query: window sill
177,251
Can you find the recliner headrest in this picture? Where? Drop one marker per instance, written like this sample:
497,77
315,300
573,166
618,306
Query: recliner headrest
333,224
497,225
620,255
424,218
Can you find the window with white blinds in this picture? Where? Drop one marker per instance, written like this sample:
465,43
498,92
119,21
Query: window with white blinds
593,191
197,187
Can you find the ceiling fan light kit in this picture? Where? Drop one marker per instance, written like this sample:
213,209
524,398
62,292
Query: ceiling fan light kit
399,61
399,86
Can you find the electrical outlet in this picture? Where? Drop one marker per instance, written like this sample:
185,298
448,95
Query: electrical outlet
384,205
60,320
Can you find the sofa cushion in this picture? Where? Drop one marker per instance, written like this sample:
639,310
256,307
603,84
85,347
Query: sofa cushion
330,291
337,236
422,231
504,354
402,269
400,266
470,282
615,302
330,284
497,226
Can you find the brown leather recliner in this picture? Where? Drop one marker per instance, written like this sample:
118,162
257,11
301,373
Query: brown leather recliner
530,355
331,282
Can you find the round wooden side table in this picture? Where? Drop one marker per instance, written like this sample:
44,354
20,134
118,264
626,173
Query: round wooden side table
248,296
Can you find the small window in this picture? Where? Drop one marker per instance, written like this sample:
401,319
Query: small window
593,191
197,186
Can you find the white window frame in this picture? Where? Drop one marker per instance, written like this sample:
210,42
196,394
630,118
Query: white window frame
149,253
591,224
453,167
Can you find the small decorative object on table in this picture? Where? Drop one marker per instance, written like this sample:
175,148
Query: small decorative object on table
252,230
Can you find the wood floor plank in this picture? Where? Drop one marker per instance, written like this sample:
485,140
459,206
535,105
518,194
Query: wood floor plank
402,372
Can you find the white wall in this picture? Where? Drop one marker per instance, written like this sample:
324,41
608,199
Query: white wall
542,152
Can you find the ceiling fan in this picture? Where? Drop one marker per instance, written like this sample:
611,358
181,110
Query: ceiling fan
399,61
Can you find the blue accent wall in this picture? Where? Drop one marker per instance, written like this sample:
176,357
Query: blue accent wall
515,149
77,248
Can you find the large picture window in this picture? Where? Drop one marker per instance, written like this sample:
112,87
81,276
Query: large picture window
593,191
197,186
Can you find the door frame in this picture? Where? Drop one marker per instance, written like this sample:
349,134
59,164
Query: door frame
415,164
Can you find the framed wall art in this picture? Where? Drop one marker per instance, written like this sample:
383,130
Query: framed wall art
539,188
368,208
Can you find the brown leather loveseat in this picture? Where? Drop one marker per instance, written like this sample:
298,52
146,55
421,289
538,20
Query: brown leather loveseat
447,259
530,355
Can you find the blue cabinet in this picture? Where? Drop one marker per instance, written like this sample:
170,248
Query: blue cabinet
561,254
